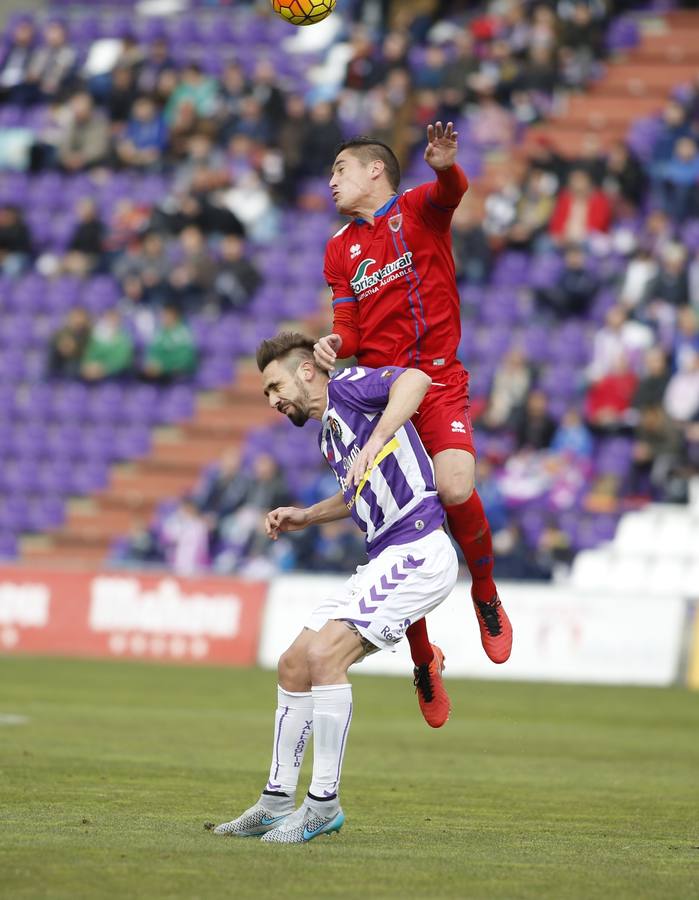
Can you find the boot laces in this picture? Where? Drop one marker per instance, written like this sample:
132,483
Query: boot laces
491,615
423,682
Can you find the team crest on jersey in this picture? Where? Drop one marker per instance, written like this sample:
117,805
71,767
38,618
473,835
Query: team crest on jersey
395,222
335,428
355,250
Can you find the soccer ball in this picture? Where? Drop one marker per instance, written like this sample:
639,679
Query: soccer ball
303,12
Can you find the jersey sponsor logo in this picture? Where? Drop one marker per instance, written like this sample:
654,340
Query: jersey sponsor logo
395,222
355,250
458,427
364,280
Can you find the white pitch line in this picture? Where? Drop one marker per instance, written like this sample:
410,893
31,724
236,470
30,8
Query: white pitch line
10,719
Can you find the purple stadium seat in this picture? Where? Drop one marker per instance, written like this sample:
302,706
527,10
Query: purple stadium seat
8,545
623,34
70,403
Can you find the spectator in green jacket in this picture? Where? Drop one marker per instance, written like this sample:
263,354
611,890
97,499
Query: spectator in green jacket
195,88
172,353
109,352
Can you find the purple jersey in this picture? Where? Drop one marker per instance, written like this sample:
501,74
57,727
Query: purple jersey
396,501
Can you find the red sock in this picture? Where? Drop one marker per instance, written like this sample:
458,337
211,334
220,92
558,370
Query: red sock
470,529
420,647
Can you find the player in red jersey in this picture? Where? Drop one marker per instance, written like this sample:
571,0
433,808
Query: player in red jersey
395,302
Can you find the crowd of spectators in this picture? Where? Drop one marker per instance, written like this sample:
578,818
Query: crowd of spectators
616,234
220,526
238,146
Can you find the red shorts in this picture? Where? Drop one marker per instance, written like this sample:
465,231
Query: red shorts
443,421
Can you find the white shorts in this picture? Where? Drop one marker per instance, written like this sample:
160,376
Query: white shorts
401,585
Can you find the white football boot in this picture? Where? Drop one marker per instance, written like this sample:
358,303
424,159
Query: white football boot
304,825
256,821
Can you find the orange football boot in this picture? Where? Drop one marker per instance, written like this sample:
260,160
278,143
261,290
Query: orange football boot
496,630
432,696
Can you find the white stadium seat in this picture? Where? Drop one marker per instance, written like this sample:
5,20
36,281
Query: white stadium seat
636,533
590,569
628,574
668,576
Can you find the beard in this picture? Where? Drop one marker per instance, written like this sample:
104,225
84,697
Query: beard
300,415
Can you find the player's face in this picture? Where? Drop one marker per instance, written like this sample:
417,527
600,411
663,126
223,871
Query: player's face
286,393
350,182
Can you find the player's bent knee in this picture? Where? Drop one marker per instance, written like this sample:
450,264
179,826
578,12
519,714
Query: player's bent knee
455,474
455,491
292,671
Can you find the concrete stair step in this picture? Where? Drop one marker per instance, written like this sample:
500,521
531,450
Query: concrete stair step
146,482
201,453
235,414
101,524
649,80
232,431
78,556
653,55
183,472
682,18
568,139
685,37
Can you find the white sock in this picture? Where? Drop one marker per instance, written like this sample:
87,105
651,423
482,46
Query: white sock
293,726
332,714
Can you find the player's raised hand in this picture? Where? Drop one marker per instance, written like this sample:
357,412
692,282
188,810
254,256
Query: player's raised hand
284,518
440,152
325,351
365,460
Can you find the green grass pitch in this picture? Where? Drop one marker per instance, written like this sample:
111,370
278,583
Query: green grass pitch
530,791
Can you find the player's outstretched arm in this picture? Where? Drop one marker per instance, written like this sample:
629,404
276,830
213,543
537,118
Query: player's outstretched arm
404,398
328,510
291,518
440,152
285,518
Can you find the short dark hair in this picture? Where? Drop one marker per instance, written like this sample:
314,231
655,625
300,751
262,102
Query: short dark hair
287,344
368,149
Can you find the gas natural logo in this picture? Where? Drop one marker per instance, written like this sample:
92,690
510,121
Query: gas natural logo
124,604
24,605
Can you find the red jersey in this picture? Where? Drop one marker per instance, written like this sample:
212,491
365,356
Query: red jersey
395,300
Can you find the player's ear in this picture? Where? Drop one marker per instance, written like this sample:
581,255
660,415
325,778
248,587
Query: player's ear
376,168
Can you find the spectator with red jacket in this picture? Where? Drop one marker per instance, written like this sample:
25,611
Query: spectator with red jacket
580,212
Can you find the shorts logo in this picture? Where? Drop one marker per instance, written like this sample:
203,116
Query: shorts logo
387,373
458,427
395,633
395,222
355,250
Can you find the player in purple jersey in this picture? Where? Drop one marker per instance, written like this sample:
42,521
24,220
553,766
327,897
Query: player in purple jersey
387,485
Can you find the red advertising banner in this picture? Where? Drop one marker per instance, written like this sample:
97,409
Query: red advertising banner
131,615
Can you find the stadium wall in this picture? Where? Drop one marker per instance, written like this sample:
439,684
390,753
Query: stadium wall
562,634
